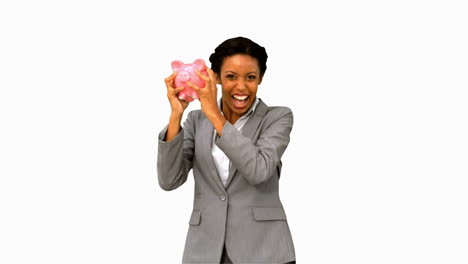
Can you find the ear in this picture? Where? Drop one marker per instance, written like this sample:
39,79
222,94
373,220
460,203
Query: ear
199,64
176,65
218,80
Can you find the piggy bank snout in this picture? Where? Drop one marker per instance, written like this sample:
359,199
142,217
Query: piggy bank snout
183,76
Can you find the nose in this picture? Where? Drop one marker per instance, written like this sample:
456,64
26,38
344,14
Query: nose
241,84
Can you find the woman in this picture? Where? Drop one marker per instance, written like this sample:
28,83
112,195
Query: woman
235,150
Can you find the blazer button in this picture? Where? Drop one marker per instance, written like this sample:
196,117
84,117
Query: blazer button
222,197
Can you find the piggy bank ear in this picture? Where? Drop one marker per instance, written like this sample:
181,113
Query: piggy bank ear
199,64
177,65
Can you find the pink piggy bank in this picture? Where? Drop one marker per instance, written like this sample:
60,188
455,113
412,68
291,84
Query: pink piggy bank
187,72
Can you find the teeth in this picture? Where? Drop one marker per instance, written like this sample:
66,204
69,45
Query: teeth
240,98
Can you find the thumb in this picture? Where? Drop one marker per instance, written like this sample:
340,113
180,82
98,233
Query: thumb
179,89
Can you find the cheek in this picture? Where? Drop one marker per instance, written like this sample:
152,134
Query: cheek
253,88
226,87
225,92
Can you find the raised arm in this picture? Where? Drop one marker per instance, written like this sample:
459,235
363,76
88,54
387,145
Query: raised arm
175,146
258,162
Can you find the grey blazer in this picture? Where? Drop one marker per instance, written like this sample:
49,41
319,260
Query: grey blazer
247,215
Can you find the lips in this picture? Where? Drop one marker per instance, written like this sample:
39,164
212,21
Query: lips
240,101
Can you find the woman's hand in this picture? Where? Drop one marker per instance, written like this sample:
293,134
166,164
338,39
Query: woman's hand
177,106
208,97
208,94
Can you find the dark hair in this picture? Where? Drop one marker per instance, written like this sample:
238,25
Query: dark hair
238,45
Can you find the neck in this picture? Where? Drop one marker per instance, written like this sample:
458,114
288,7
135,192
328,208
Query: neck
230,116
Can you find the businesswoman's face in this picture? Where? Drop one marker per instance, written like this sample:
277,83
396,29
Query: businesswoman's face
239,78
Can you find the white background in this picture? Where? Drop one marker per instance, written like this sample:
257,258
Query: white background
376,171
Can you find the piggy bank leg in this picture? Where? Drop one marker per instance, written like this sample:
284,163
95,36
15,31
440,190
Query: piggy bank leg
194,95
182,96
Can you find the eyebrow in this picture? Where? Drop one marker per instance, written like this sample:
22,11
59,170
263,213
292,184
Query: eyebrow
236,72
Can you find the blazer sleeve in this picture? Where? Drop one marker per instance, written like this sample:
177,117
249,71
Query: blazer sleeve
258,161
175,157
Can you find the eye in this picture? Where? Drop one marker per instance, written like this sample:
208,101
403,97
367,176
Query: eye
230,76
251,77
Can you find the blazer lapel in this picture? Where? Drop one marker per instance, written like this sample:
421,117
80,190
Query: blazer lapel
207,131
249,131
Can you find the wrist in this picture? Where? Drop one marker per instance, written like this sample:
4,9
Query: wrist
176,116
175,120
213,113
217,120
173,127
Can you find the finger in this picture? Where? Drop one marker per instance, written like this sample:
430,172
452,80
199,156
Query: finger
202,76
175,91
179,89
184,103
169,80
170,77
212,77
193,86
210,73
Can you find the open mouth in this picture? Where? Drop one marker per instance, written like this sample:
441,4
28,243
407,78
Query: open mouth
240,101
